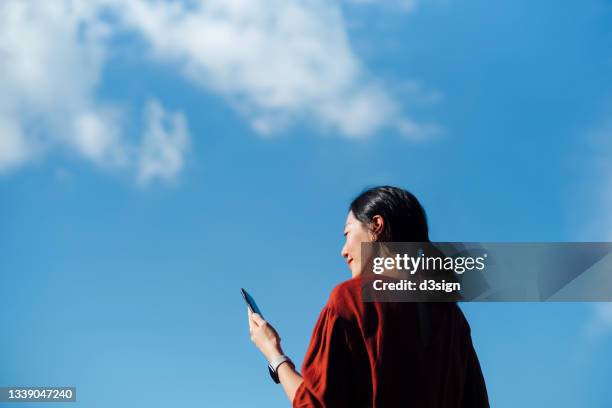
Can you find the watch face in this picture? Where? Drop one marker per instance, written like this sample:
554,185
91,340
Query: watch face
273,374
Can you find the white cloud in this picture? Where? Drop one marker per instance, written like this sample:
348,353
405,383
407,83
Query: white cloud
52,56
96,136
164,144
277,62
47,74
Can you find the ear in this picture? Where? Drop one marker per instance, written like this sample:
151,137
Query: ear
377,225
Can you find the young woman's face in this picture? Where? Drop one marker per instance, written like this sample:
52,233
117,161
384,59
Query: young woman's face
355,233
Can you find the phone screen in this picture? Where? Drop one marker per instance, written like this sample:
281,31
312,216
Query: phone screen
250,302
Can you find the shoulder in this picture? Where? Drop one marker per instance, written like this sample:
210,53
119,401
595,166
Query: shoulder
346,288
345,298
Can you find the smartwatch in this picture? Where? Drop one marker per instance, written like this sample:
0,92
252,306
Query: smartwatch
275,363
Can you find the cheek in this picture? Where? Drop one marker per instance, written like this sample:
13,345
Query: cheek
355,248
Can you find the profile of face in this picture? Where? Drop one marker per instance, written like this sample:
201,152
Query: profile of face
356,232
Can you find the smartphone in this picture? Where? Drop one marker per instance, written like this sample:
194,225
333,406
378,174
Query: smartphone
250,302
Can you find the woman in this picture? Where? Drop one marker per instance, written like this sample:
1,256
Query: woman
380,354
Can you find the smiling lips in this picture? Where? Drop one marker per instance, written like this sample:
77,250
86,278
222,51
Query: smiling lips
349,261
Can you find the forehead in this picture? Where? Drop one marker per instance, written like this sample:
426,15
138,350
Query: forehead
350,219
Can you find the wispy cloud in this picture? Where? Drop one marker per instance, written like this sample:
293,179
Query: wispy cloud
277,62
164,144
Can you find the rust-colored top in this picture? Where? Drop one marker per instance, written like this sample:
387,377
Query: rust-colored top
389,354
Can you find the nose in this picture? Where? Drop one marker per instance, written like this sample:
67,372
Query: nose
344,251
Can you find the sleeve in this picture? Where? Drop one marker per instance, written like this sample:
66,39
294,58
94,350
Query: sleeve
326,367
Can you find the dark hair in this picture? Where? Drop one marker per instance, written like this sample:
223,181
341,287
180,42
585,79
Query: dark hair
404,217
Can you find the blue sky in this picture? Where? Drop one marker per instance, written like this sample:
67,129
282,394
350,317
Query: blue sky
156,158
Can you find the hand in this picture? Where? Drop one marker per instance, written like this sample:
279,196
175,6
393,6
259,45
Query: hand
264,336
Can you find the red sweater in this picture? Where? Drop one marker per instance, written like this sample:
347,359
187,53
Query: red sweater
389,354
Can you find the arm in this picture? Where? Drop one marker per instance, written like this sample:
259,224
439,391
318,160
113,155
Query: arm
290,379
326,377
267,340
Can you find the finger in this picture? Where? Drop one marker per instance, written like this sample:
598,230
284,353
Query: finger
257,319
253,322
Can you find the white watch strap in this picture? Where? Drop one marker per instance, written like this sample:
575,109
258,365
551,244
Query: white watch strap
277,361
